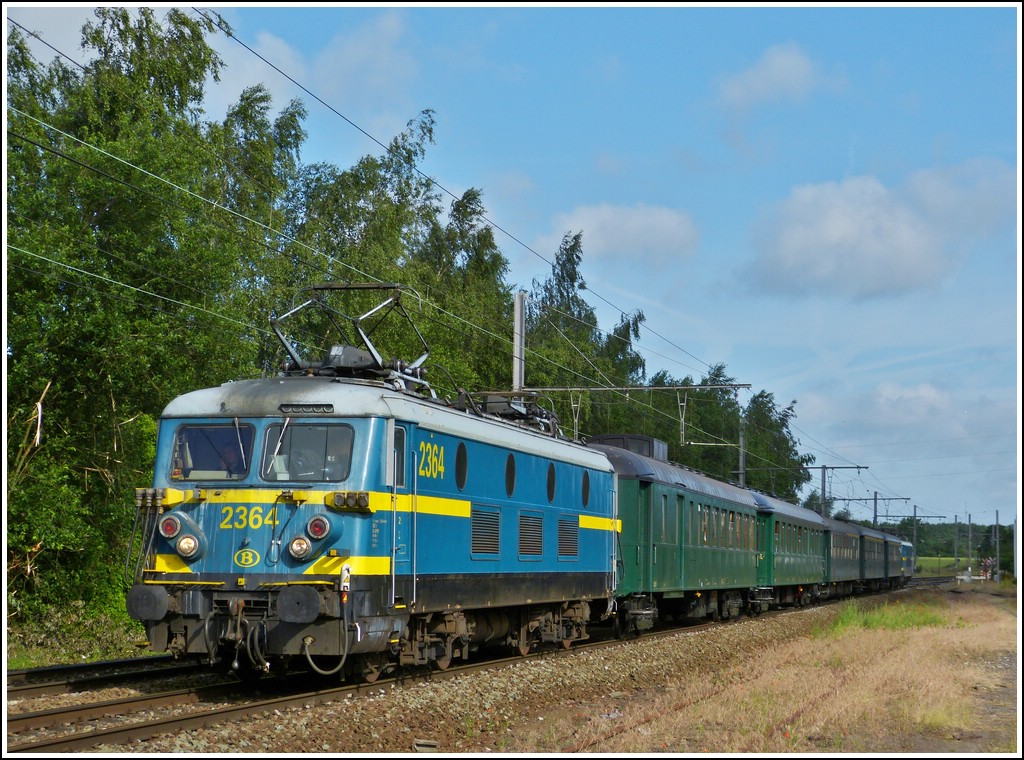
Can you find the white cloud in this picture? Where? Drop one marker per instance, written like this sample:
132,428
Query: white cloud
860,239
898,405
967,200
59,28
242,70
783,73
366,64
853,238
363,73
655,235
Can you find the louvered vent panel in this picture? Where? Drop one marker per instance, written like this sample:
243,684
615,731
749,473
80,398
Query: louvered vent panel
485,532
531,535
568,538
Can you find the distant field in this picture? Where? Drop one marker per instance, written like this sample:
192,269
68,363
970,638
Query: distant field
939,566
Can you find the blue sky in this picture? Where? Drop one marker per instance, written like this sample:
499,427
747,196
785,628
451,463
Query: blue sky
823,199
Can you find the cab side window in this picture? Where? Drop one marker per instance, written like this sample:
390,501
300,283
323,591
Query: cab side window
399,449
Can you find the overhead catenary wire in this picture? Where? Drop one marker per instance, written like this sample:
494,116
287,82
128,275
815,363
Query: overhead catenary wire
604,380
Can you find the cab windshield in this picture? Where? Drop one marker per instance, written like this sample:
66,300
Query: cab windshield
212,452
307,452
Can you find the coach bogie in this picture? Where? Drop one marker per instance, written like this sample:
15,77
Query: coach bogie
635,614
760,599
730,604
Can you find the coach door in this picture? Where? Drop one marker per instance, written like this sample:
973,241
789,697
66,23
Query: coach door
640,574
665,560
765,549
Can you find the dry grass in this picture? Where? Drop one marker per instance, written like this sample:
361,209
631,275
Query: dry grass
917,685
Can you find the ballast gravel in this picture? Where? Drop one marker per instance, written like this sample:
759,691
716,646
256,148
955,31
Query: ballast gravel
482,712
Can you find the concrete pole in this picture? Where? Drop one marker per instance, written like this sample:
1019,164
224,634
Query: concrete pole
743,453
956,550
995,572
970,544
518,341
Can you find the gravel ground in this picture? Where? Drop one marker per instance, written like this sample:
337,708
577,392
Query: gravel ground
489,712
482,712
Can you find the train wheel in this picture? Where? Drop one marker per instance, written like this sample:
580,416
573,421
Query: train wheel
525,641
442,663
621,626
567,643
370,667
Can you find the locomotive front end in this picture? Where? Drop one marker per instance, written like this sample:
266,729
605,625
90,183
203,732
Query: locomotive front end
264,532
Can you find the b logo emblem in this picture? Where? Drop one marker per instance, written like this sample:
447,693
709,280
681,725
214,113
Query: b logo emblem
246,558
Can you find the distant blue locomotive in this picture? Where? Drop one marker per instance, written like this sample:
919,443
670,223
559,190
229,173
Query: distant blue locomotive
342,517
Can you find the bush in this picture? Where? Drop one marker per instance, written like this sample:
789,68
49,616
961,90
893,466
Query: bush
73,634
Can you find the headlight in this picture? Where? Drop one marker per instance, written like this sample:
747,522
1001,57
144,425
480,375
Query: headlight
170,526
188,545
299,547
318,527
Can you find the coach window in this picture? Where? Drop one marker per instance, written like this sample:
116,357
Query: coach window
551,482
510,475
586,488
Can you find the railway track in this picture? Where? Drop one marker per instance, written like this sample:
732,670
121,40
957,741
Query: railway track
82,725
60,679
929,581
93,716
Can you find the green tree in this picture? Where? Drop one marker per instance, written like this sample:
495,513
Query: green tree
769,441
461,271
825,507
126,284
565,347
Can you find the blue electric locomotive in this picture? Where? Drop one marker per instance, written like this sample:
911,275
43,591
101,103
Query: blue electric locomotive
342,516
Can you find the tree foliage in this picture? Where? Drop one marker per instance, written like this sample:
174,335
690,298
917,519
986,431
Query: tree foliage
148,246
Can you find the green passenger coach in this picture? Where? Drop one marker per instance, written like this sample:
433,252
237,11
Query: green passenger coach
691,546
